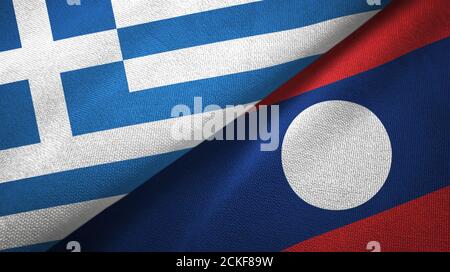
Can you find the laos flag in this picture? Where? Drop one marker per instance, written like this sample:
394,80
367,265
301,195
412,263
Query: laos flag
351,154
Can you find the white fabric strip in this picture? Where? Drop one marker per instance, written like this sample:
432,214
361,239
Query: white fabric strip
129,13
51,224
239,55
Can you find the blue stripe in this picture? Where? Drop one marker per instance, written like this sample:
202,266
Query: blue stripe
98,97
230,196
75,20
81,185
8,30
231,23
17,117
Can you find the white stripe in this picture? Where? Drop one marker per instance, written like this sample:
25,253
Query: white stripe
50,224
33,22
96,148
239,55
144,11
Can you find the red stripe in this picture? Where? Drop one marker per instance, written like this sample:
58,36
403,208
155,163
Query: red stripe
402,27
419,225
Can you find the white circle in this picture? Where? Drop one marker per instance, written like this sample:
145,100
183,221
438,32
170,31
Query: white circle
336,155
